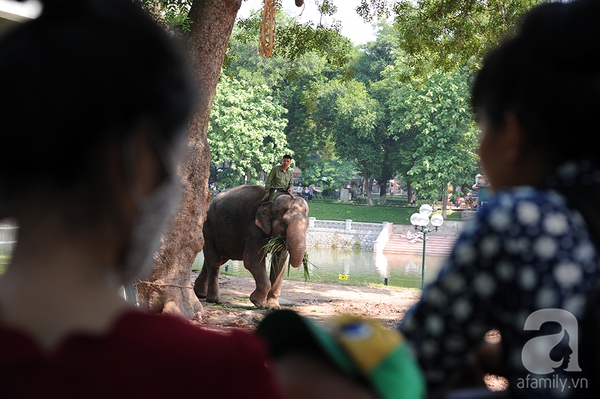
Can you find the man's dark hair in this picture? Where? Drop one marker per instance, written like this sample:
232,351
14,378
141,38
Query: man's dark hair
548,76
286,156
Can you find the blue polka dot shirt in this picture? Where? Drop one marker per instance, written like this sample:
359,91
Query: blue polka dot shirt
524,266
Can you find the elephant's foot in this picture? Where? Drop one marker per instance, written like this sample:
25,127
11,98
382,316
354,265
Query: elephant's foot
258,300
200,294
200,289
213,299
273,303
273,300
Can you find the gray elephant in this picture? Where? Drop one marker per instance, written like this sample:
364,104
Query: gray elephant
237,227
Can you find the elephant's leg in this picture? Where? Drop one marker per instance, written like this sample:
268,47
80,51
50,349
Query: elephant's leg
201,283
212,294
207,283
263,285
276,278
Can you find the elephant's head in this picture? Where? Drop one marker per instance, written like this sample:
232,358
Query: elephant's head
288,216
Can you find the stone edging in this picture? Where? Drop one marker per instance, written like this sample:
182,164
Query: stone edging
364,236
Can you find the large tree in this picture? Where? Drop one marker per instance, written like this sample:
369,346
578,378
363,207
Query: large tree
370,66
435,125
455,33
207,26
346,112
303,60
169,288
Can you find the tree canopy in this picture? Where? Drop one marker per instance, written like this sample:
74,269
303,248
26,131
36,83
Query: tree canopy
455,33
364,112
420,127
246,131
433,117
450,33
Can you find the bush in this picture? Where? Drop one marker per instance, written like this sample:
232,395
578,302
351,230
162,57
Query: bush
327,193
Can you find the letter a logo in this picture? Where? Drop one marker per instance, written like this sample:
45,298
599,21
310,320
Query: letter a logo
536,352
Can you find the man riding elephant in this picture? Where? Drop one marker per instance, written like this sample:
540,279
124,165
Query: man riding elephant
237,227
280,180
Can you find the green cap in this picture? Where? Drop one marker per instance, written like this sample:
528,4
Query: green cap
361,348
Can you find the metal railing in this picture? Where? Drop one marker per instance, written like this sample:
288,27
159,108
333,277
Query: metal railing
347,225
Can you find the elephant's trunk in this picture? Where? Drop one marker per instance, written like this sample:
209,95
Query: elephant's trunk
296,241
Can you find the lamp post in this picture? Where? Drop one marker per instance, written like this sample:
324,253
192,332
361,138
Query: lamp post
421,221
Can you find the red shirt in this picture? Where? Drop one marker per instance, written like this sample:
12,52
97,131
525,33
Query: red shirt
143,356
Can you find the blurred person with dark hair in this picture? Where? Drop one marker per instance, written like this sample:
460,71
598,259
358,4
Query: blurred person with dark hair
93,109
528,262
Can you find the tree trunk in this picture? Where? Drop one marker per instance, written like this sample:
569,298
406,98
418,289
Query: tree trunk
445,202
366,186
409,192
383,193
169,288
386,174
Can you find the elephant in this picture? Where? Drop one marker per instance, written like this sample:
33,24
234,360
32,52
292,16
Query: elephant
237,227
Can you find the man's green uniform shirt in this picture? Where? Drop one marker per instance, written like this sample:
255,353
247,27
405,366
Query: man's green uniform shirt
279,180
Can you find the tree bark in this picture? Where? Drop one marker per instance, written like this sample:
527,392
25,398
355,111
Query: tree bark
445,202
386,174
169,288
409,192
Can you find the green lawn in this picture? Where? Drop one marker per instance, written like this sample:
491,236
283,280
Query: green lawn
323,210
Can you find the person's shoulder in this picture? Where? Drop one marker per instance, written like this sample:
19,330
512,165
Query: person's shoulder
521,205
183,336
189,348
526,196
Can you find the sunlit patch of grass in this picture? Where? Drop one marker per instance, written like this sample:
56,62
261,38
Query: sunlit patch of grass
397,214
452,215
361,213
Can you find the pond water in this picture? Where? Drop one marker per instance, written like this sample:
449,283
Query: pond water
353,267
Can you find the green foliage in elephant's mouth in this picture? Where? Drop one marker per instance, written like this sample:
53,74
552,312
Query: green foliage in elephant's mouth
276,247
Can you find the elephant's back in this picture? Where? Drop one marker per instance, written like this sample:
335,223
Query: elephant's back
230,217
242,195
236,204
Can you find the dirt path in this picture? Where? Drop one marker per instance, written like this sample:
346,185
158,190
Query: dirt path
317,301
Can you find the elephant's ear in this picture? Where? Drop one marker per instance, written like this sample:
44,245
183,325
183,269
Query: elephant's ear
263,218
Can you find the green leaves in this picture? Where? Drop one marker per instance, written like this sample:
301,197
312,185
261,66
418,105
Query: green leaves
360,108
305,57
434,122
246,130
350,116
293,40
171,13
336,173
453,33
